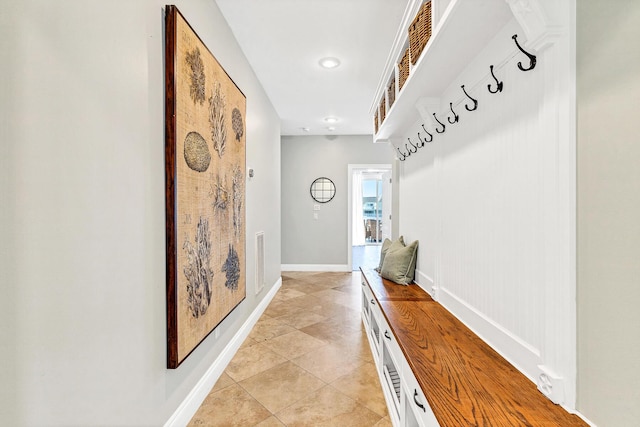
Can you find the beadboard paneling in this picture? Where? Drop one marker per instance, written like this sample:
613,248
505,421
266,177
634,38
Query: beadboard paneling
477,198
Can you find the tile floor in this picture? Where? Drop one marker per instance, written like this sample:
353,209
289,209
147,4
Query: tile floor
307,362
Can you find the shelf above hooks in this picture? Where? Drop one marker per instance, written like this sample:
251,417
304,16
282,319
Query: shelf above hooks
476,23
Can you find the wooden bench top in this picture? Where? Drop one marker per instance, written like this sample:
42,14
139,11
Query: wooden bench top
466,382
386,290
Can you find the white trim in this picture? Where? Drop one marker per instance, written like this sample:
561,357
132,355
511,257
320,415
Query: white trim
351,168
189,406
316,267
426,283
521,355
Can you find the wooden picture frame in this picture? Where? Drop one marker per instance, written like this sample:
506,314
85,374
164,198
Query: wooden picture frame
205,186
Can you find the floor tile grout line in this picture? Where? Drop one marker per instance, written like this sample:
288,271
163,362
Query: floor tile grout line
282,409
339,314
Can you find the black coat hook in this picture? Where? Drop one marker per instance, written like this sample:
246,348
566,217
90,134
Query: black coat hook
475,101
498,83
415,150
441,124
404,156
455,116
408,149
420,143
427,132
532,58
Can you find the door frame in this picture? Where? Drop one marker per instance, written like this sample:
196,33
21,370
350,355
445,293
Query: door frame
351,168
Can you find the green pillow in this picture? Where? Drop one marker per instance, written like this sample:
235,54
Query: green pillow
386,245
399,264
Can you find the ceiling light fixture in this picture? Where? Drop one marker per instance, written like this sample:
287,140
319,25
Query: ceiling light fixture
306,129
331,119
331,128
329,62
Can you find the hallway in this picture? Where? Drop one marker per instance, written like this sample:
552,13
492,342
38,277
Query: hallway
365,256
306,362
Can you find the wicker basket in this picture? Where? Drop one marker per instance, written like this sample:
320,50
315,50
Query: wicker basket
382,109
420,32
403,69
375,123
391,92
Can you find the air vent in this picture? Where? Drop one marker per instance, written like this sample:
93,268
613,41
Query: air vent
259,261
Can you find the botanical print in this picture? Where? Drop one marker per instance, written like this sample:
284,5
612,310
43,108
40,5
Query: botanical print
196,152
205,192
236,123
197,75
198,270
232,269
217,120
220,194
238,198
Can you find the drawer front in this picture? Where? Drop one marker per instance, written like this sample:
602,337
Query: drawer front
415,398
389,339
367,297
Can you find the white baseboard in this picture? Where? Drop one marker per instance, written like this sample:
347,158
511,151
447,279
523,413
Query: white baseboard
524,357
426,283
316,267
194,399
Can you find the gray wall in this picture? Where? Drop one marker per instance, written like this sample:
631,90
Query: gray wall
304,158
82,264
608,95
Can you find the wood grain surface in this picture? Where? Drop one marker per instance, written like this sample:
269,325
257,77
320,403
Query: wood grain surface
466,382
386,290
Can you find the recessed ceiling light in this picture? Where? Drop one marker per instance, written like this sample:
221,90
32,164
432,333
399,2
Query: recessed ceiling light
331,128
331,119
329,62
306,129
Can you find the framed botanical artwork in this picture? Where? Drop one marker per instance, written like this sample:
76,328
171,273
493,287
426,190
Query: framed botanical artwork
205,190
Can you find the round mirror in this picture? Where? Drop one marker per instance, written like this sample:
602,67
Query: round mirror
323,190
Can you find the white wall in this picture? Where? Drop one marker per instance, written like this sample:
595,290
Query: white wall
321,242
608,87
490,201
82,226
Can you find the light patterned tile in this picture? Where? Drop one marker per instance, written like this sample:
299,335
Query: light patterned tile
269,328
385,422
301,319
349,289
229,407
364,388
330,294
281,307
331,346
281,386
337,297
328,407
294,344
328,363
271,422
331,331
355,345
351,318
286,294
224,381
252,360
248,343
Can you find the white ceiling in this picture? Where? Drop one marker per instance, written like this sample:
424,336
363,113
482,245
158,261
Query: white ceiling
284,40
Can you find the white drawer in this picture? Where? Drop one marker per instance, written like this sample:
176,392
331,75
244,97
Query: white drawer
367,297
415,399
389,338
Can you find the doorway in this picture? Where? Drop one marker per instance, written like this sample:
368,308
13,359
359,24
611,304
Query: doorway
369,213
